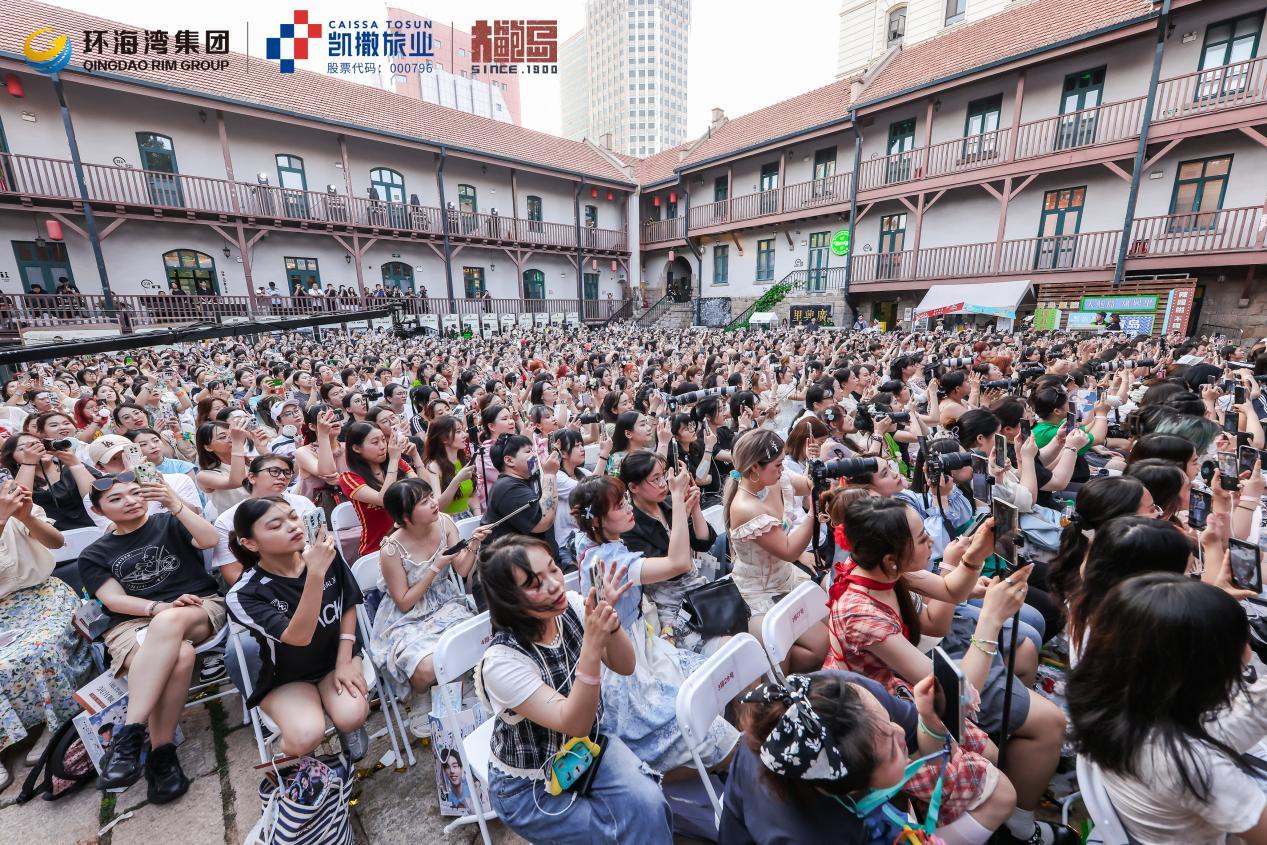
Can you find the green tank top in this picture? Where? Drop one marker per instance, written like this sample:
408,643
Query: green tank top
462,501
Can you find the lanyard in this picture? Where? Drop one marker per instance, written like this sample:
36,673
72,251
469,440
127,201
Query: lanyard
880,797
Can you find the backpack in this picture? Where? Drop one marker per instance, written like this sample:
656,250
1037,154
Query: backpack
63,768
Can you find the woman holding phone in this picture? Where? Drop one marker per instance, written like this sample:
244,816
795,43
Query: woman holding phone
374,463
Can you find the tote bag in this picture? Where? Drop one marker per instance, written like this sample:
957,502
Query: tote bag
309,819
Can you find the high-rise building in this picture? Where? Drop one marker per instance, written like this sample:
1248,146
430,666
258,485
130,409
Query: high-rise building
574,79
869,28
450,84
636,53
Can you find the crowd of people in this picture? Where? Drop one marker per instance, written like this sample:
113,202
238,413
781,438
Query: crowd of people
1006,502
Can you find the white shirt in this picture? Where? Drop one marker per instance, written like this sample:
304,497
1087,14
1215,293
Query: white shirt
224,524
181,484
510,677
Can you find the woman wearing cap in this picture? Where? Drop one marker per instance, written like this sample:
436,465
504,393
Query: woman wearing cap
148,573
288,417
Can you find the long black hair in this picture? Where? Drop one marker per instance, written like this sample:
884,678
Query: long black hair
249,512
1164,654
877,527
508,608
356,434
1099,500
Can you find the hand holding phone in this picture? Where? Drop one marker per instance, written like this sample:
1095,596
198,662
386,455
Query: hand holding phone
1245,562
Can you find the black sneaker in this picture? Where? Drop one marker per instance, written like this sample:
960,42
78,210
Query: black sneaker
166,779
355,744
1045,833
211,668
121,764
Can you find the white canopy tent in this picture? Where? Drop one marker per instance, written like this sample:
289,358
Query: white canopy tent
998,299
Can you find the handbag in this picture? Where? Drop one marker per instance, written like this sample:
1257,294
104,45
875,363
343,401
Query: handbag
717,609
295,814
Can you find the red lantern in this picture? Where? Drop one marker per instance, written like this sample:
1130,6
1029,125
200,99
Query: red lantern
672,255
13,84
672,196
594,264
613,265
609,195
54,230
594,192
656,201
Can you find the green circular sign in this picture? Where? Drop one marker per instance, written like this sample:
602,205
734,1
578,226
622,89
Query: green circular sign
840,242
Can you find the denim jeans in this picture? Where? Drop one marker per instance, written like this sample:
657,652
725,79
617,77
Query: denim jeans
624,805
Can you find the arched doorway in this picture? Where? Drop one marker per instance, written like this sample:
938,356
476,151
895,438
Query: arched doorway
191,271
534,284
398,274
678,280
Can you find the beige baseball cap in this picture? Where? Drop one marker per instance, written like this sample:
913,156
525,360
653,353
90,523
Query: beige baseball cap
104,448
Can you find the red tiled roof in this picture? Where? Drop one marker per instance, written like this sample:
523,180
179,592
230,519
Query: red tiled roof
1018,29
658,167
258,82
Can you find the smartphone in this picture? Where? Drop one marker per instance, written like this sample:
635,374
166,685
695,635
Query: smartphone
596,578
1000,451
1071,420
1005,521
1025,429
980,466
1229,470
314,521
1231,421
132,457
976,523
1228,384
1199,502
1238,395
1246,560
1248,456
954,689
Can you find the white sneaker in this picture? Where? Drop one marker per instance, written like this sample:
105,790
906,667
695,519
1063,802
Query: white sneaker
420,714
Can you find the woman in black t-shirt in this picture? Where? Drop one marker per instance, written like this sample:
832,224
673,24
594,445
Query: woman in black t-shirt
54,479
300,605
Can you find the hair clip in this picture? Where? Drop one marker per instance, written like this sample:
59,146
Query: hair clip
589,511
734,473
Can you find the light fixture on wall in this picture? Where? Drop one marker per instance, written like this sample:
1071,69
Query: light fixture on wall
261,177
348,258
226,252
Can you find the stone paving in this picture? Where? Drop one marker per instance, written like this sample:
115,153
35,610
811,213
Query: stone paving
222,804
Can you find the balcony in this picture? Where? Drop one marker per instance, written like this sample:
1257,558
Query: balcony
133,313
1205,238
39,178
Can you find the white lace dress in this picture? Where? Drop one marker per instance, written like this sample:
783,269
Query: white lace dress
404,639
760,575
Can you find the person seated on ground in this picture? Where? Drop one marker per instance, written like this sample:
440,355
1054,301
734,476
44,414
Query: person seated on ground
759,504
422,599
149,575
539,678
641,708
819,746
1164,704
646,478
108,455
374,463
44,660
54,479
300,606
876,624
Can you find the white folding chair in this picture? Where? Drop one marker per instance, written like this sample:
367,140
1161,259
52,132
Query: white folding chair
591,455
196,689
572,581
715,517
1108,827
366,572
788,620
707,691
347,529
460,648
466,527
77,539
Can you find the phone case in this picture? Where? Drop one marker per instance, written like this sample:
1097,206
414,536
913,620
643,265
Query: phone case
147,473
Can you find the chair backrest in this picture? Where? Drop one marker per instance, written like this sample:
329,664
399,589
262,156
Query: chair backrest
466,527
366,571
461,647
1108,826
714,516
76,540
707,691
789,619
591,454
572,580
347,529
344,516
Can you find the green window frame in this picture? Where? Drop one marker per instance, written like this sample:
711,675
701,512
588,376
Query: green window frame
534,208
301,269
765,260
721,189
1227,46
825,163
721,264
467,196
1197,198
981,126
591,216
473,282
389,184
187,267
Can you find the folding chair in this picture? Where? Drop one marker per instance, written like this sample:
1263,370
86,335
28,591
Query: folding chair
77,539
715,516
347,530
707,691
1108,826
366,573
195,697
591,455
789,619
466,527
459,650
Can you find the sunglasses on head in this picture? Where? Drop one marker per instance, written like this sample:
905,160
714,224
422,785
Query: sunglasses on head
107,481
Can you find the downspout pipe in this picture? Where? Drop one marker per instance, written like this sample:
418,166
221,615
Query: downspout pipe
444,222
853,201
580,252
1163,24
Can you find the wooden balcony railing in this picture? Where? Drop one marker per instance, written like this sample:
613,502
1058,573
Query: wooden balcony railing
1102,124
816,193
1215,89
1083,251
49,178
673,229
1227,230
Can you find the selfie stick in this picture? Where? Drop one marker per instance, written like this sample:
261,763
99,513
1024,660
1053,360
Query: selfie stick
1011,679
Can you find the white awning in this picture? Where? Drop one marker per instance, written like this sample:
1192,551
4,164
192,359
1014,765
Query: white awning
998,299
762,318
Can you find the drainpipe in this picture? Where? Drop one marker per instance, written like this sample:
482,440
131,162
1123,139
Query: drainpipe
853,201
90,224
1163,23
580,253
444,221
699,254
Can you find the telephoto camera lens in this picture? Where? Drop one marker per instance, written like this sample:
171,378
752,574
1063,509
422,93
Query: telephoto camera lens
821,471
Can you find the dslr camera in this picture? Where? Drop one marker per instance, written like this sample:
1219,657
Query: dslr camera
820,472
1124,364
588,419
942,464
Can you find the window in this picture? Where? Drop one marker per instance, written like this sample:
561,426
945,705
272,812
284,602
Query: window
534,208
670,208
1058,226
293,184
721,189
981,128
1079,105
901,143
158,160
1199,189
721,265
302,273
591,216
387,185
42,265
192,271
1229,43
824,170
473,281
955,10
897,26
765,260
892,243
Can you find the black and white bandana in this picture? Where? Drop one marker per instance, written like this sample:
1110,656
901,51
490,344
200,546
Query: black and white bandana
800,746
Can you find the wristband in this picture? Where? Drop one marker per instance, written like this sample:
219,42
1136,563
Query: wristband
587,678
980,645
976,568
927,730
180,510
349,637
150,611
437,568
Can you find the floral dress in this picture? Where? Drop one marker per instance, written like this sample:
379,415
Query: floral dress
42,660
404,639
641,708
761,576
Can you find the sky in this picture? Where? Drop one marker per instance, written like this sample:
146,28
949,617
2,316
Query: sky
738,61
